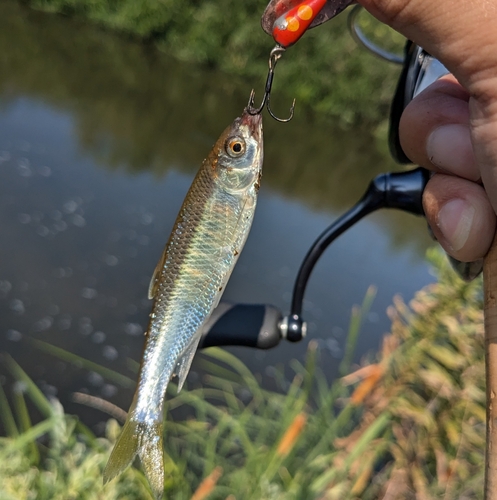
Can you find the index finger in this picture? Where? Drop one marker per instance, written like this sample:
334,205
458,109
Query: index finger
434,130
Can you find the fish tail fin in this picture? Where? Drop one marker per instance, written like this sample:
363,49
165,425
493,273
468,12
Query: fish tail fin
151,455
145,440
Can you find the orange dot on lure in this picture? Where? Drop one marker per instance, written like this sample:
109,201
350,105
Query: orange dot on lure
289,27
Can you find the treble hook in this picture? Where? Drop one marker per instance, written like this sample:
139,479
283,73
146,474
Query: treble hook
274,57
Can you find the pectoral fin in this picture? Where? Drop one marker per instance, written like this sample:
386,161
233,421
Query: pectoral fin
154,282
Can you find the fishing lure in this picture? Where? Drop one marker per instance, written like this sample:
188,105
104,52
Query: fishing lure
291,25
287,20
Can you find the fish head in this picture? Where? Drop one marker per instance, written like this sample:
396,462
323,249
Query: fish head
238,162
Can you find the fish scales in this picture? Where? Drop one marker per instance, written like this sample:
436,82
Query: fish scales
193,273
206,240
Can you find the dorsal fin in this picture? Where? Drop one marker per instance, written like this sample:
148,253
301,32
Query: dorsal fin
154,282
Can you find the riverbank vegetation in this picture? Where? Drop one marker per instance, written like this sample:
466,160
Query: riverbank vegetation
325,71
406,424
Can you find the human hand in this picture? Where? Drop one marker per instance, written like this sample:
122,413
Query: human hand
451,127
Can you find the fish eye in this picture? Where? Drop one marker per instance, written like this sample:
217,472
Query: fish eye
235,147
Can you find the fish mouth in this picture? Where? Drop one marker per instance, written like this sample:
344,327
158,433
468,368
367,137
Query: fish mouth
253,122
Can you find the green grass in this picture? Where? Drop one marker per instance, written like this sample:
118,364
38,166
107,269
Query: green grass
410,423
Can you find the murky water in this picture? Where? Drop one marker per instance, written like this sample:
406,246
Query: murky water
99,140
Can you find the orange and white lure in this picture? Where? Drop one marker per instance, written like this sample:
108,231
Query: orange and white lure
290,26
287,20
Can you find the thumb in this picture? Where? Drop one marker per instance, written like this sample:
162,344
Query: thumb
462,35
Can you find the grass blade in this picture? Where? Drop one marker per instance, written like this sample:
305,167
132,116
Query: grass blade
358,314
6,415
32,389
27,437
25,423
74,359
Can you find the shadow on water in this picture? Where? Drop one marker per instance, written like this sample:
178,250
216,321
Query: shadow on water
99,139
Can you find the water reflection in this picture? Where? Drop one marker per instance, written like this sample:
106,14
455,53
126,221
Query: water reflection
99,139
137,110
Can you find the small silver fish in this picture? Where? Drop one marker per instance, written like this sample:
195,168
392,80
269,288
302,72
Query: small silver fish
207,238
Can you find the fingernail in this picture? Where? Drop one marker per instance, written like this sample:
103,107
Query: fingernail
449,148
455,219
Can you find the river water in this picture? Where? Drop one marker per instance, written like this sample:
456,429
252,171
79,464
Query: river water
99,140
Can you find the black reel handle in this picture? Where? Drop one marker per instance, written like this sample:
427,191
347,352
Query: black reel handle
249,325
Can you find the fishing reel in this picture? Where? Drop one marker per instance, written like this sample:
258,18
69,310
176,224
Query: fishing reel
420,70
263,326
